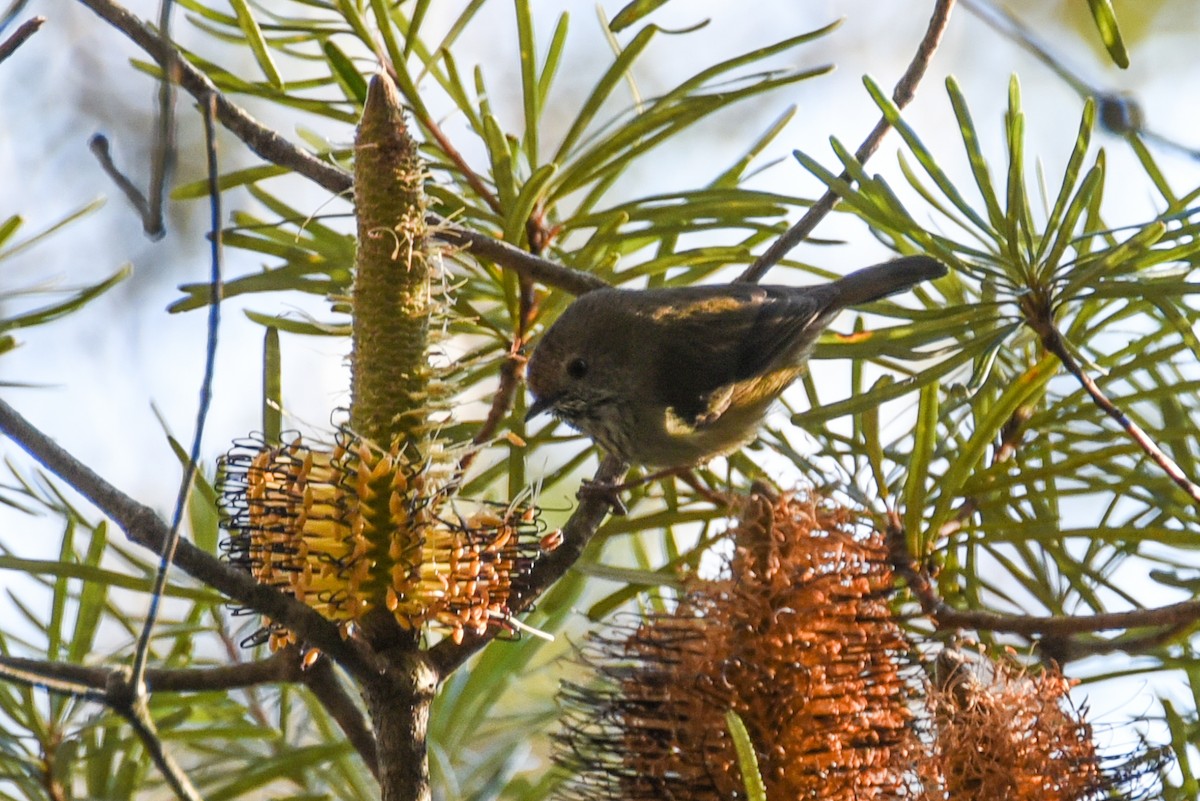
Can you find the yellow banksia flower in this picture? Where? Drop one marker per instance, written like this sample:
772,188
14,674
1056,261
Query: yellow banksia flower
373,522
350,529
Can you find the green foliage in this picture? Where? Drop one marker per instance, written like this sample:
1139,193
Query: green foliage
1106,25
233,743
747,759
1007,477
41,315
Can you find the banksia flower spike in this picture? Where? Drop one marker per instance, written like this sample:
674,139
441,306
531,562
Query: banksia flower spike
348,530
797,638
372,522
1004,732
800,639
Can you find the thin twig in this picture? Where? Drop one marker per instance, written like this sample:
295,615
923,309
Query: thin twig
119,694
501,405
80,680
262,140
946,617
94,683
535,268
322,681
905,89
145,528
27,28
142,651
46,676
446,656
510,373
150,208
1053,341
99,147
273,147
1182,613
1010,440
162,162
137,714
1066,649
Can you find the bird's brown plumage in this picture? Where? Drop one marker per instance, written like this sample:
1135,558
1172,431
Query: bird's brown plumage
671,377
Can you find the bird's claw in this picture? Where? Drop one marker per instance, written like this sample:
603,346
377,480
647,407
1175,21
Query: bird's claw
607,491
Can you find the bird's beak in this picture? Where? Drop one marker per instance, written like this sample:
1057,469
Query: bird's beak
539,405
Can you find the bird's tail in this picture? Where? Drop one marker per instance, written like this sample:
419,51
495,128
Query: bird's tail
881,280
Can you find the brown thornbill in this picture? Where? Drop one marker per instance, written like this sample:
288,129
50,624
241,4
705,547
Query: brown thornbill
673,377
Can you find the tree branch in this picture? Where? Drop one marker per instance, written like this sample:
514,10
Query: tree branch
268,144
398,700
322,681
446,656
27,28
905,89
145,528
1171,616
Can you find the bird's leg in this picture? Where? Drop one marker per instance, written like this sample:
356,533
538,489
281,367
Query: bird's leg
610,491
607,491
718,499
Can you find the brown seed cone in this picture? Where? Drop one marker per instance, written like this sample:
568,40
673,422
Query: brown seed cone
798,639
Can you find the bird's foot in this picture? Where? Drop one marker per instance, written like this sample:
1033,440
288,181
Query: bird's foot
610,491
607,491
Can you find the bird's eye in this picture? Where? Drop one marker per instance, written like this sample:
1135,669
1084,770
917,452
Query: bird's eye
577,368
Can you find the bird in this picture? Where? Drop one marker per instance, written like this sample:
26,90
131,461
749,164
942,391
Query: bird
673,377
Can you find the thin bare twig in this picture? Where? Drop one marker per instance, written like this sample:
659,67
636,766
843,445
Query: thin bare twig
146,529
162,161
1064,649
85,681
1010,440
905,89
322,681
268,144
150,208
119,694
510,372
100,149
136,712
1052,340
93,683
27,28
1119,113
45,675
502,401
1031,626
1172,615
167,555
259,138
510,257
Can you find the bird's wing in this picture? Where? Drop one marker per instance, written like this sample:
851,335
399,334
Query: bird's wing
726,335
